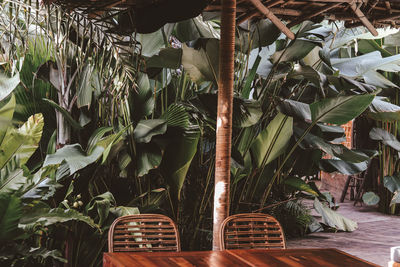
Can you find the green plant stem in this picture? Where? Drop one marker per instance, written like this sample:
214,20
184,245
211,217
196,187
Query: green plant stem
268,190
266,156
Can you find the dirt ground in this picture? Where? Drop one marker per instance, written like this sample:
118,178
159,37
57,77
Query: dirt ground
372,240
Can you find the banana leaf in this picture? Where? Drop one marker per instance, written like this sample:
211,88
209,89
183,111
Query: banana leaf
7,85
74,156
22,142
333,219
272,141
339,110
10,215
177,159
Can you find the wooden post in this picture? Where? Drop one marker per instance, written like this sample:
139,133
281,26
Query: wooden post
363,19
224,117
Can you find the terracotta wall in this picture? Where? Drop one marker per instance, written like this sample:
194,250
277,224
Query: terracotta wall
334,182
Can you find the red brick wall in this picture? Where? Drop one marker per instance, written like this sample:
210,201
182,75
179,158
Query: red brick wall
334,182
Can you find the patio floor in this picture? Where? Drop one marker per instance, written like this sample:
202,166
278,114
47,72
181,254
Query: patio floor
372,240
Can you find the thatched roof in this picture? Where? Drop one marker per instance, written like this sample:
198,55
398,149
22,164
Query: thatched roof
148,15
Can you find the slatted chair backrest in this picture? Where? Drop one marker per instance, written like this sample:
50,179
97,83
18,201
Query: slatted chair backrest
251,231
143,233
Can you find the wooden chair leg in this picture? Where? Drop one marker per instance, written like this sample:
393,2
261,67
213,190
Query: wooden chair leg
346,186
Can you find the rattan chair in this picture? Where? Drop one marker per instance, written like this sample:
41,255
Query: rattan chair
251,230
143,233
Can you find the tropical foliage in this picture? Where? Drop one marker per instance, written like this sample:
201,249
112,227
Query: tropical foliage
376,61
96,124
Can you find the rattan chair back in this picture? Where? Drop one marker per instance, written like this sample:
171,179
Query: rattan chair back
251,231
143,233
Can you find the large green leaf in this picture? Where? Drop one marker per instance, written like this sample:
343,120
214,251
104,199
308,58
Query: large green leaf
366,66
245,112
11,180
122,211
22,142
333,165
335,150
295,109
368,46
299,184
272,141
99,207
151,43
6,115
264,66
32,131
74,156
167,58
195,28
202,63
340,110
108,142
317,78
148,157
378,80
255,34
370,198
392,39
176,116
46,216
177,160
141,99
10,214
392,183
247,87
382,110
333,219
296,50
385,137
40,253
343,83
9,147
96,137
345,36
146,129
85,89
396,198
332,132
7,85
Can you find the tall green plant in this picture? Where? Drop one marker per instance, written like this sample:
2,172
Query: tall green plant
376,61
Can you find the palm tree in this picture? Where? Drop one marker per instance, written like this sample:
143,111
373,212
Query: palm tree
224,116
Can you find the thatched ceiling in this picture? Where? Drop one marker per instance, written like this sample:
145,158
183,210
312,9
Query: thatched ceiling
148,15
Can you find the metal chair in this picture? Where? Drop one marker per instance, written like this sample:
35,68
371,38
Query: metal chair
143,233
251,230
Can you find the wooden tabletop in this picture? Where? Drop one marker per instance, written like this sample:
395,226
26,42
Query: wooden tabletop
237,257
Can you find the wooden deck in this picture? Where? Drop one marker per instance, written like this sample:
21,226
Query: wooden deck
376,233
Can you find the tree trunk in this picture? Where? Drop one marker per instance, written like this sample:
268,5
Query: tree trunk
224,117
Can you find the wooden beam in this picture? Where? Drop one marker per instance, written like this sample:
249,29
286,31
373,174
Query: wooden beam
286,11
255,12
313,14
363,19
266,12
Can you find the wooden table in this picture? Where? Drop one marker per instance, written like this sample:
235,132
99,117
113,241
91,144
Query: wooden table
239,257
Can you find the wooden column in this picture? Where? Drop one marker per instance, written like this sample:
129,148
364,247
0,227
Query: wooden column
224,117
